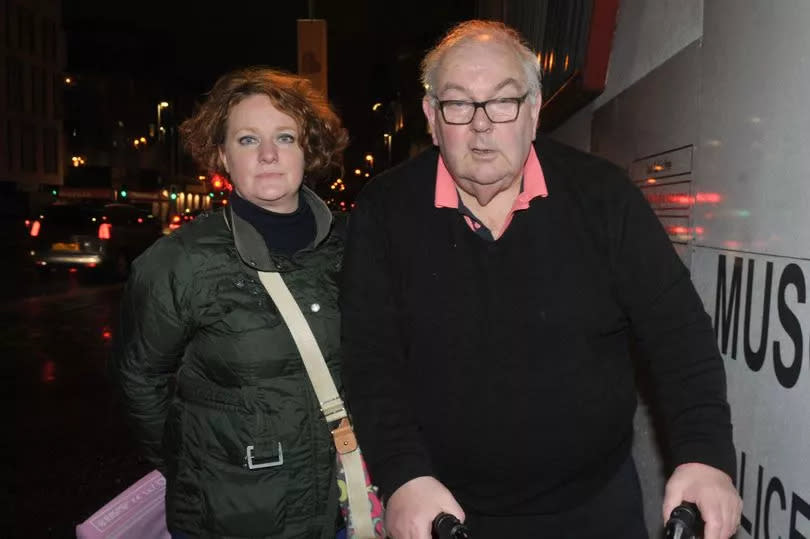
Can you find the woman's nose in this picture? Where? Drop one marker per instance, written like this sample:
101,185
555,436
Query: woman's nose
268,152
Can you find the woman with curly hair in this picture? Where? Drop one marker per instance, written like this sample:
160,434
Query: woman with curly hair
209,373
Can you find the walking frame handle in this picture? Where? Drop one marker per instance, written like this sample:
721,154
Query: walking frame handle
447,526
685,522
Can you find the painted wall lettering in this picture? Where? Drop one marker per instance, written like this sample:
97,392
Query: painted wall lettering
791,293
727,304
755,358
775,514
788,374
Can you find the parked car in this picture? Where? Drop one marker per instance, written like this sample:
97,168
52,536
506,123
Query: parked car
87,236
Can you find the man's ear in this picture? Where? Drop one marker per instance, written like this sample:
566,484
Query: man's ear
223,159
430,114
535,111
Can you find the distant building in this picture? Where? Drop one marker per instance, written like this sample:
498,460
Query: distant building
111,126
32,60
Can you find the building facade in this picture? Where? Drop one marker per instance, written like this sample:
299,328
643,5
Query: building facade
32,60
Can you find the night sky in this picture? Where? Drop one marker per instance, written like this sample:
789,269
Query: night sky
183,46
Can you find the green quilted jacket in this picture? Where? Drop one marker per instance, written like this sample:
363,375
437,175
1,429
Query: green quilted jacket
214,384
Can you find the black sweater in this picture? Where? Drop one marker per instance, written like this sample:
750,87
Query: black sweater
502,368
284,233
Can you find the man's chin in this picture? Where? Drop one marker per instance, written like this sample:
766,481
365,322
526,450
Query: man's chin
486,178
484,189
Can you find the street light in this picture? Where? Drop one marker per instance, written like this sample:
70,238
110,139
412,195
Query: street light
387,140
160,106
370,160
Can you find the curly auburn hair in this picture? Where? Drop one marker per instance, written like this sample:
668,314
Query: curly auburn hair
322,137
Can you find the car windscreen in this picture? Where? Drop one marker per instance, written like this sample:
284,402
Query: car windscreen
78,219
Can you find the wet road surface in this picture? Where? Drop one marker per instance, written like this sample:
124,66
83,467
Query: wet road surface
68,450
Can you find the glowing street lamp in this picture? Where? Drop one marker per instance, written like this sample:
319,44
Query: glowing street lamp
387,140
160,106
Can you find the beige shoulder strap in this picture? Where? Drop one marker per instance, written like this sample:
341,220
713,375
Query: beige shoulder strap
314,363
330,401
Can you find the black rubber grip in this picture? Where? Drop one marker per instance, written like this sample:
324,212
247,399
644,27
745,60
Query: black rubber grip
447,526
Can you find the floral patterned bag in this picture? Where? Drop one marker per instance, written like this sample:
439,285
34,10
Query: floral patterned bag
374,502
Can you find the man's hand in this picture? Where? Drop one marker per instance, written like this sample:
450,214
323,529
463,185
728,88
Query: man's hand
712,491
411,509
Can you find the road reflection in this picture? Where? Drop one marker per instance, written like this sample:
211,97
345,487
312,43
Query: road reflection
70,443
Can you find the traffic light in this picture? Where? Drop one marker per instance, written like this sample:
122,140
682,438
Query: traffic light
122,193
173,192
218,182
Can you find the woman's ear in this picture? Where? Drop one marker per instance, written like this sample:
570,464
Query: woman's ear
223,159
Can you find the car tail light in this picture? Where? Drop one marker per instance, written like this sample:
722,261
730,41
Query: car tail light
35,226
104,231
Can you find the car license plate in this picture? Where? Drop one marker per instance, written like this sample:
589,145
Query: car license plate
65,246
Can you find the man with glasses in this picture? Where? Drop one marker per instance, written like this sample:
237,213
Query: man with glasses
490,290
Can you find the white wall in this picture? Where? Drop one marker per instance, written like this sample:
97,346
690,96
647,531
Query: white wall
648,32
753,159
736,94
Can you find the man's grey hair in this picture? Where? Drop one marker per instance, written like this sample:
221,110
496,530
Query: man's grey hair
481,31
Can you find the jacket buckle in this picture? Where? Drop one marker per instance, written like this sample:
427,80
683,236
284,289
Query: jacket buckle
268,464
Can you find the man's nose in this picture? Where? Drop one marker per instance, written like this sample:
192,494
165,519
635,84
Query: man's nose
481,121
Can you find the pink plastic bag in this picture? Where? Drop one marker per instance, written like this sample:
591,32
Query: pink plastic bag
137,513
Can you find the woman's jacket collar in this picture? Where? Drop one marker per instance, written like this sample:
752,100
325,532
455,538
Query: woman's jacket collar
251,246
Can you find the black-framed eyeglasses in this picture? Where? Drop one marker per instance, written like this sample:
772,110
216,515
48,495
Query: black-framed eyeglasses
500,110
